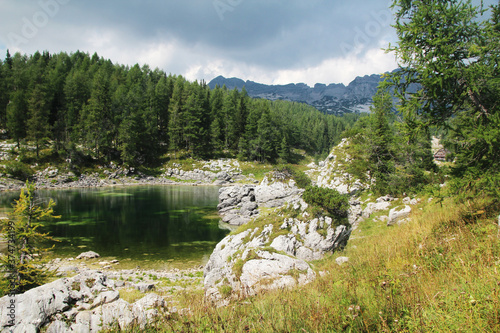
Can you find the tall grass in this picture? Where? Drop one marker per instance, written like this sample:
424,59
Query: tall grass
437,273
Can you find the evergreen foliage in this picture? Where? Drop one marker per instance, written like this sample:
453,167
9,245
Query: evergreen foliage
451,49
336,204
135,115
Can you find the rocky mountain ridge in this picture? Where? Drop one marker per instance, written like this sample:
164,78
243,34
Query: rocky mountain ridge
332,99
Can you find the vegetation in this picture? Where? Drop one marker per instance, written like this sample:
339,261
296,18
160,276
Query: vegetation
22,268
330,200
86,105
436,273
291,172
450,49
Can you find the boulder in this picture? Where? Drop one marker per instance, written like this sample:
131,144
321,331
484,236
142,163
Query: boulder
341,260
88,255
34,308
244,265
396,215
87,302
378,206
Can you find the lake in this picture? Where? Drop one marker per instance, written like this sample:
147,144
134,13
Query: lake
146,226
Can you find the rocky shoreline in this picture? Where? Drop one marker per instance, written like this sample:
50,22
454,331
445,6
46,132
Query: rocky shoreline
89,299
214,173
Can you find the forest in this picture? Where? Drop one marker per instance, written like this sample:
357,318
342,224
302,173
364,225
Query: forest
81,104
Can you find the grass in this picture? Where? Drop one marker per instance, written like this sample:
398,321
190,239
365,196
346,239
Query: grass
437,273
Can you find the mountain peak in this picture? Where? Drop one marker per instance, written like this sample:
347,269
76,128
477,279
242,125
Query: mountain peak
332,98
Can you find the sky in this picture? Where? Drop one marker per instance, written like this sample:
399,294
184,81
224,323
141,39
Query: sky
267,41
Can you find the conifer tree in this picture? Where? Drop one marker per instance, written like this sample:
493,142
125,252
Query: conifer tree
23,264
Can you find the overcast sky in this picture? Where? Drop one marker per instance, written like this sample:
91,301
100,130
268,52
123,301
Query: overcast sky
268,41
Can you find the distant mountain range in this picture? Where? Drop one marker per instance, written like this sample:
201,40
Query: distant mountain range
333,98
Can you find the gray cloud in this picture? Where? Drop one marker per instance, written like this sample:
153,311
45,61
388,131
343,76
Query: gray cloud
263,35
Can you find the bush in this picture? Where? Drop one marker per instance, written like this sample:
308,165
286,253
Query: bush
336,204
300,178
18,170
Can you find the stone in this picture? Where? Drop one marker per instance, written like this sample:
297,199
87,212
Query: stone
144,287
396,215
285,243
88,255
341,260
57,327
275,268
376,207
35,307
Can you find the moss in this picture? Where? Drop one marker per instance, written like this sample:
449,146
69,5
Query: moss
76,286
225,290
90,282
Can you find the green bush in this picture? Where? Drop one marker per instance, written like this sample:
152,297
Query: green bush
336,204
300,178
18,170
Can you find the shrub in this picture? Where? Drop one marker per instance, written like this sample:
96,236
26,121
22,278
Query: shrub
300,178
18,170
332,201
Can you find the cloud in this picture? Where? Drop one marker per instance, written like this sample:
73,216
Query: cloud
263,40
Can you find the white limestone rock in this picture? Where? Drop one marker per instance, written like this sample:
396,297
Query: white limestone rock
396,215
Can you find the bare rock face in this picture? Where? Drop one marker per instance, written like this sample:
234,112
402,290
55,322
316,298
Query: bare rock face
270,257
239,204
239,265
87,302
396,216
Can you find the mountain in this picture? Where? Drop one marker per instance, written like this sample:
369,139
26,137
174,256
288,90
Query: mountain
332,98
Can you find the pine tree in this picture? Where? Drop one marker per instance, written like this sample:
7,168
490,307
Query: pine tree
217,124
17,113
176,112
38,121
381,138
451,51
96,116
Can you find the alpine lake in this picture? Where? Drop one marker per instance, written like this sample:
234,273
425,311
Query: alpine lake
150,227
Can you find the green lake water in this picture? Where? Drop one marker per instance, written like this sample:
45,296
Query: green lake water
147,226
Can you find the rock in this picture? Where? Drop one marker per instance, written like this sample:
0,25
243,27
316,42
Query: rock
341,260
52,173
237,204
240,262
395,215
144,287
409,201
106,297
276,194
57,327
275,268
88,255
35,307
285,243
376,207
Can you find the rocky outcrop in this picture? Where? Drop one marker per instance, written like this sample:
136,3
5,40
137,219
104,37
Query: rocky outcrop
397,216
239,204
239,265
273,256
331,174
87,302
88,255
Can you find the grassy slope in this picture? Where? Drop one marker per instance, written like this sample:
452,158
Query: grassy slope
437,273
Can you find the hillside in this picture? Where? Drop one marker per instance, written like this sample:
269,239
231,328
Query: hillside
333,98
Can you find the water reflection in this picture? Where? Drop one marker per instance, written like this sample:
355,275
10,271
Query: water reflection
141,223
